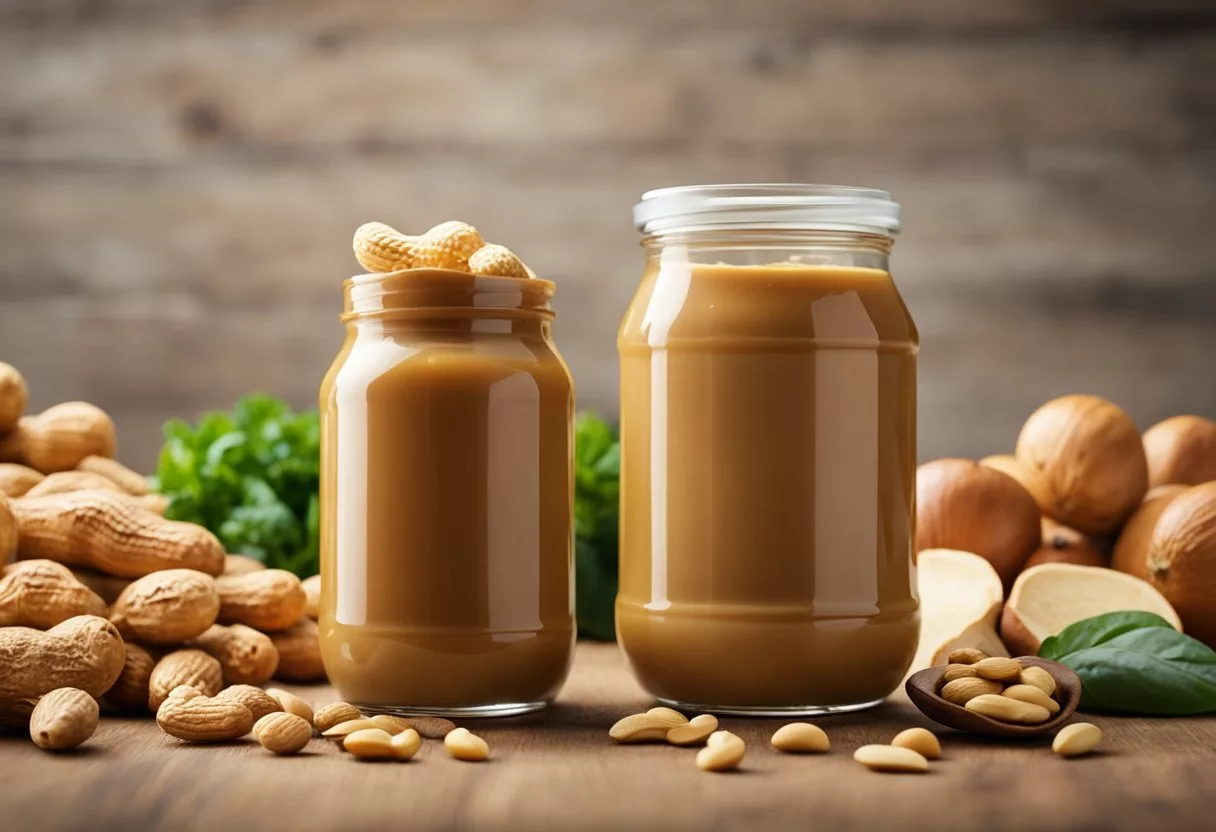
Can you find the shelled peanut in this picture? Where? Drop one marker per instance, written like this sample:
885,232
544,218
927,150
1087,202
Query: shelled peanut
999,688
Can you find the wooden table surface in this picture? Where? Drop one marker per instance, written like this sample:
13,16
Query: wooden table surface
559,771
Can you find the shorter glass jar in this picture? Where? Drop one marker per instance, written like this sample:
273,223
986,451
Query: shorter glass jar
447,497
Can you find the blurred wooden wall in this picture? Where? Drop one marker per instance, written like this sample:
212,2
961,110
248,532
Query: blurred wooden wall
179,180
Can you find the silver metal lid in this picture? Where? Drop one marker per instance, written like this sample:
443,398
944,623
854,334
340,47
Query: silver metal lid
774,206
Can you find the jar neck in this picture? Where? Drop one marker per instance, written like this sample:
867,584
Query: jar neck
444,299
768,247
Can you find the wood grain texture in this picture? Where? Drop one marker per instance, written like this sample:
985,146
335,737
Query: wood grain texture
560,771
181,179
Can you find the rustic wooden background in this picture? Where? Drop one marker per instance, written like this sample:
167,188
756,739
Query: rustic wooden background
179,180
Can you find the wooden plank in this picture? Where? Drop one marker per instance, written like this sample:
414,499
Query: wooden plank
560,771
136,97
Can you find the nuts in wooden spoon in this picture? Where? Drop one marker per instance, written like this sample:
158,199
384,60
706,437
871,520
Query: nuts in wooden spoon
462,744
998,669
723,751
800,738
1005,709
1077,739
962,691
1033,695
966,656
891,758
1040,678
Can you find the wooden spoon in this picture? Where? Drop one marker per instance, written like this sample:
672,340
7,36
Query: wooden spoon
922,690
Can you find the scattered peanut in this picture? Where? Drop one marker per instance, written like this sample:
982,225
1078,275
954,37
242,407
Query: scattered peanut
241,565
1033,695
1077,739
801,738
696,732
493,259
282,733
299,649
962,691
13,396
247,656
407,743
268,600
16,480
448,245
42,593
167,607
966,655
106,531
116,472
335,713
370,744
292,703
891,758
958,671
723,751
130,692
344,729
647,727
920,740
382,248
192,668
432,727
190,716
1040,678
63,718
84,652
1004,709
465,745
60,437
258,701
312,594
998,669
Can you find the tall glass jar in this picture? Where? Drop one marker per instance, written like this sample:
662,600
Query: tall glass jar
447,497
768,434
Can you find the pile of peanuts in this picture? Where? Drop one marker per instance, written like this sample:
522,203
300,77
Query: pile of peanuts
453,245
999,688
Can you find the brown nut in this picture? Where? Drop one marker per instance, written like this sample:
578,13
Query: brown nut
64,718
282,733
192,668
203,718
167,607
268,600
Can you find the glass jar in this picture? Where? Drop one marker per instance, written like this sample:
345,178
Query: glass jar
447,497
768,437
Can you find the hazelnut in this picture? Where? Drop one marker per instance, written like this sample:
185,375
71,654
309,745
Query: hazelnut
1181,450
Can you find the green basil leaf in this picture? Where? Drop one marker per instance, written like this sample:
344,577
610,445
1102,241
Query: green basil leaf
1097,630
1135,662
595,591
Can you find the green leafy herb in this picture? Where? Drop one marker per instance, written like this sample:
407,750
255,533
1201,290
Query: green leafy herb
1137,662
597,491
251,476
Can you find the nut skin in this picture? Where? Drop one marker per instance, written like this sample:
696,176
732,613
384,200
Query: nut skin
432,727
801,738
1077,739
167,607
201,718
192,668
63,718
247,656
335,713
448,245
299,649
998,669
966,656
131,482
130,692
920,740
282,733
60,437
382,248
258,701
16,480
958,671
42,593
493,259
63,482
107,531
269,600
84,652
1182,449
962,691
464,745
